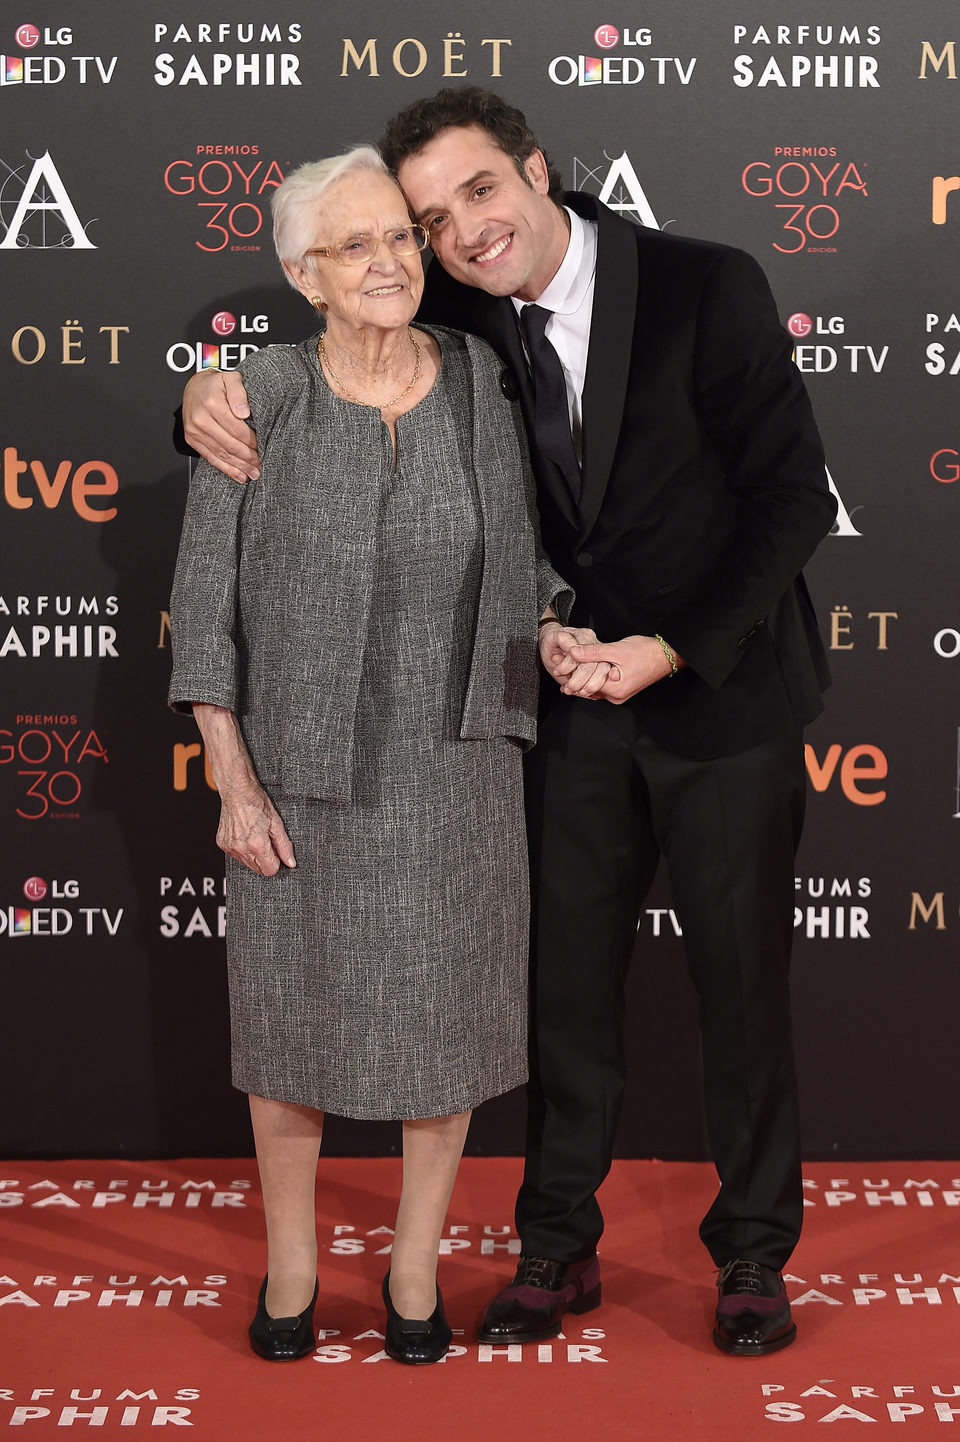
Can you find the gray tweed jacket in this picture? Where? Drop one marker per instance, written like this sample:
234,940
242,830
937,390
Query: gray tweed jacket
272,592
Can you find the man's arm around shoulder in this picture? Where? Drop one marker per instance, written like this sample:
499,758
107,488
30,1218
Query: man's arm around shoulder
212,423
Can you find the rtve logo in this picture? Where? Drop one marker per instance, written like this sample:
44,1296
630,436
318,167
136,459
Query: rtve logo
861,769
943,185
88,482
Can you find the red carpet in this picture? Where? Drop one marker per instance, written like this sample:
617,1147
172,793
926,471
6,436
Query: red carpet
127,1288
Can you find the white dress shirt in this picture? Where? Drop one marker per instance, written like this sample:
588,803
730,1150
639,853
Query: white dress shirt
570,297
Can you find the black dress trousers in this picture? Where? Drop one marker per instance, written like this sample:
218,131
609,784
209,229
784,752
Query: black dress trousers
604,802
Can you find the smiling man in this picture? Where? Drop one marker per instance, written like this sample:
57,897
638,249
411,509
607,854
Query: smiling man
682,489
485,212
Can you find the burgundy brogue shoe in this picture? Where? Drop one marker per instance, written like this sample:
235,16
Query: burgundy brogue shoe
753,1310
531,1308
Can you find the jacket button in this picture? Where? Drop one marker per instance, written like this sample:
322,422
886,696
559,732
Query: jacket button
584,559
508,384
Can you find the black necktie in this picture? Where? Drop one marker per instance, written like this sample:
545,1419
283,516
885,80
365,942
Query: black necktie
551,417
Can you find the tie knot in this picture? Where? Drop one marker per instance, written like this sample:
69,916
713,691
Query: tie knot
534,319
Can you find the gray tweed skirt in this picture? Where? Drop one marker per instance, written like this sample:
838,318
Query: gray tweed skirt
379,981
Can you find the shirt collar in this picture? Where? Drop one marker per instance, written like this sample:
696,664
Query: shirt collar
565,293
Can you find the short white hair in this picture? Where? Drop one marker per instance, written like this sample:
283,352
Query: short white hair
294,201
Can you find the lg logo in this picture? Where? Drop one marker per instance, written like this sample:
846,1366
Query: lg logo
224,323
606,36
35,888
28,36
800,325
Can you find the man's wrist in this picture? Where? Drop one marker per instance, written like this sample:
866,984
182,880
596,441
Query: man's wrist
668,652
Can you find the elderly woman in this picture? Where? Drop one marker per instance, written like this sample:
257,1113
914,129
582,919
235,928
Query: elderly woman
354,633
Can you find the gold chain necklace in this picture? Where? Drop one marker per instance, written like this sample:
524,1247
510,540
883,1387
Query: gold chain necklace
379,405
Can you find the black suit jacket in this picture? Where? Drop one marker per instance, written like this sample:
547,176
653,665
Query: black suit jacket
704,489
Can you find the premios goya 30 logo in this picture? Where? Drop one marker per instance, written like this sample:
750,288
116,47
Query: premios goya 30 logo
807,187
231,191
48,759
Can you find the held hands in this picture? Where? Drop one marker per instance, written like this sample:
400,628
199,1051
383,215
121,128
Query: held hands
574,677
214,411
251,831
634,663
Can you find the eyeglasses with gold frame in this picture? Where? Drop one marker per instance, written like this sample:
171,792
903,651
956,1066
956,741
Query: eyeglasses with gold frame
359,249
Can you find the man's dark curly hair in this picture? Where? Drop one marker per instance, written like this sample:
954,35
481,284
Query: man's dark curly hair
407,133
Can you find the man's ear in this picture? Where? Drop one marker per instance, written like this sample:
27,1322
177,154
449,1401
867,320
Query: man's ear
535,169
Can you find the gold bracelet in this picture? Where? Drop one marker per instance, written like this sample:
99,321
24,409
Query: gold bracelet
667,652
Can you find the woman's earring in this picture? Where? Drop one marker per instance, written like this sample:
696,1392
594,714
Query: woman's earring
317,303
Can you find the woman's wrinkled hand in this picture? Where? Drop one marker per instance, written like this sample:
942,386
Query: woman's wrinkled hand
583,679
251,831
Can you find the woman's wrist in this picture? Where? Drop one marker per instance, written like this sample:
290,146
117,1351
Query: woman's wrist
230,764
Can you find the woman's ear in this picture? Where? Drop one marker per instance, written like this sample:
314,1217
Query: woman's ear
305,283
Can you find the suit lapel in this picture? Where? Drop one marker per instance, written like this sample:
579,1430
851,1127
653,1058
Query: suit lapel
611,341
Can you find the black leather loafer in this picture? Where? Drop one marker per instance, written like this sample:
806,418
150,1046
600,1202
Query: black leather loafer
753,1311
531,1309
411,1341
283,1339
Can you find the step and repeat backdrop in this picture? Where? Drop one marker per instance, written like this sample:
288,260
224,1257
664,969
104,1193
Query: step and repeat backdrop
139,148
